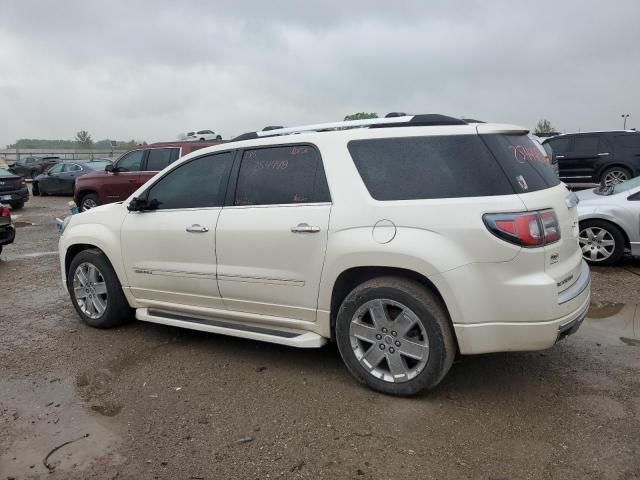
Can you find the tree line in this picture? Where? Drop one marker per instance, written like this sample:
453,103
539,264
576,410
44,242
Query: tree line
82,140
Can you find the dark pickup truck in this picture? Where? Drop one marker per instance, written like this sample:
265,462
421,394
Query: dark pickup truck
31,167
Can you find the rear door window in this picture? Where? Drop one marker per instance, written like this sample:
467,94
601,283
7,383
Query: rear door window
586,145
281,175
159,158
428,167
522,161
629,141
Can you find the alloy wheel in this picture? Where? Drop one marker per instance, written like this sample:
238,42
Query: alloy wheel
389,340
90,290
88,204
614,177
597,244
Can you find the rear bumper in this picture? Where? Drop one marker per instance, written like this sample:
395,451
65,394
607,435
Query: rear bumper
21,195
474,338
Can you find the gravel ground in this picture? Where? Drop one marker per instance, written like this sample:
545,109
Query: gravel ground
152,402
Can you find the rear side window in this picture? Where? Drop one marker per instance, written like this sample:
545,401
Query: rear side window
199,183
428,167
522,161
629,141
586,145
281,175
159,158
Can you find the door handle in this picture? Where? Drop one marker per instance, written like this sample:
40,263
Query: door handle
197,228
304,228
603,154
559,156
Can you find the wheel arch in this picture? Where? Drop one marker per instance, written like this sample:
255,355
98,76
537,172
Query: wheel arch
350,278
618,164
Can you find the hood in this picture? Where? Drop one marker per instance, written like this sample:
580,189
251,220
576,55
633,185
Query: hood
93,174
588,195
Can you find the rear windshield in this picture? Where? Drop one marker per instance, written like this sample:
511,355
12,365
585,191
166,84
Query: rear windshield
522,162
428,167
4,172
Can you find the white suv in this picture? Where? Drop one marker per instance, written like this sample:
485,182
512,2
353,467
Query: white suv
406,243
202,135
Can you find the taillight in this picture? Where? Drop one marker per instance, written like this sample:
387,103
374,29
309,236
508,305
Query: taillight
23,180
5,212
527,229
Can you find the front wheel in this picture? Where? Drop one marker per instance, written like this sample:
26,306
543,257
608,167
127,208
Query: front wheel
602,243
95,290
395,336
89,201
614,175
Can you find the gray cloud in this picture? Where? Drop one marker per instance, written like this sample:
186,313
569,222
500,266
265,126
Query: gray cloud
150,70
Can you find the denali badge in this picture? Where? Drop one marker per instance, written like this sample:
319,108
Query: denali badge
143,271
566,280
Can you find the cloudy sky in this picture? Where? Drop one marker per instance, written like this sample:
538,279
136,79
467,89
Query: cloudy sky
150,70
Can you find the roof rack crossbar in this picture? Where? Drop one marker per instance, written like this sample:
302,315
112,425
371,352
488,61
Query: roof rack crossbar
333,125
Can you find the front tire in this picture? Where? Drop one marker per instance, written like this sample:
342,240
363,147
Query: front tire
96,292
89,201
602,242
395,336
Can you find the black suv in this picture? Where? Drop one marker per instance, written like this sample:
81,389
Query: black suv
33,166
602,157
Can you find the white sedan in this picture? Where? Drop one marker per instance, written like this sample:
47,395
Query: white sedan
609,222
203,135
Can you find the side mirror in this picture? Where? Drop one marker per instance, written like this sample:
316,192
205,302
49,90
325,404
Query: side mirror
111,168
142,204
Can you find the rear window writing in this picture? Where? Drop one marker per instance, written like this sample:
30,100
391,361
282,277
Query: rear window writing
413,168
522,161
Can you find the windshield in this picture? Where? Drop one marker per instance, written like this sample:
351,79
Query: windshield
628,185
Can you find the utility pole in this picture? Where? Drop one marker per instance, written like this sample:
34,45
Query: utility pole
624,118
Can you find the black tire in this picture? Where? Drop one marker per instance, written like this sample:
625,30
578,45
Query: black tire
218,137
202,139
33,174
89,196
35,189
622,172
117,309
17,205
431,315
613,232
0,248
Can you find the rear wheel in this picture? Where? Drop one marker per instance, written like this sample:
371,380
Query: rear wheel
95,290
614,175
35,189
602,243
88,201
395,336
33,174
17,205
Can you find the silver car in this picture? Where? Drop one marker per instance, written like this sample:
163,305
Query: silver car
609,219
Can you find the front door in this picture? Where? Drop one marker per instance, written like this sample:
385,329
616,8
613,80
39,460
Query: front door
170,252
271,242
125,179
580,162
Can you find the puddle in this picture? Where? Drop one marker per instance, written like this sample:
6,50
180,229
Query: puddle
613,324
47,425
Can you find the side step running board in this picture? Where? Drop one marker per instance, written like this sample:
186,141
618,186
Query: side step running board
292,338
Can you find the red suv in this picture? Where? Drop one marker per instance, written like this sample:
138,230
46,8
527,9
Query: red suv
129,172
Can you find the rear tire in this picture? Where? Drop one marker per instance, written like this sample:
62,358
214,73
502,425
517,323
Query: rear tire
17,205
96,292
33,174
35,189
614,175
88,201
395,336
602,242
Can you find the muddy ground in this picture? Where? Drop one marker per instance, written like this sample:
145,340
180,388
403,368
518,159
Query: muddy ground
152,402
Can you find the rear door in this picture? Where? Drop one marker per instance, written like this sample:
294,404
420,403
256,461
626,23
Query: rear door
271,239
582,160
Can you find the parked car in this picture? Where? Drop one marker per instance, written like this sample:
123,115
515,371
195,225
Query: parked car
610,222
131,170
601,157
404,245
7,230
31,167
61,178
13,189
203,135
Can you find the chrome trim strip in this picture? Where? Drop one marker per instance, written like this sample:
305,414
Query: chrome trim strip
579,286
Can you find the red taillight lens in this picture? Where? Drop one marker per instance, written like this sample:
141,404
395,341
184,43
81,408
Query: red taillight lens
5,212
527,229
